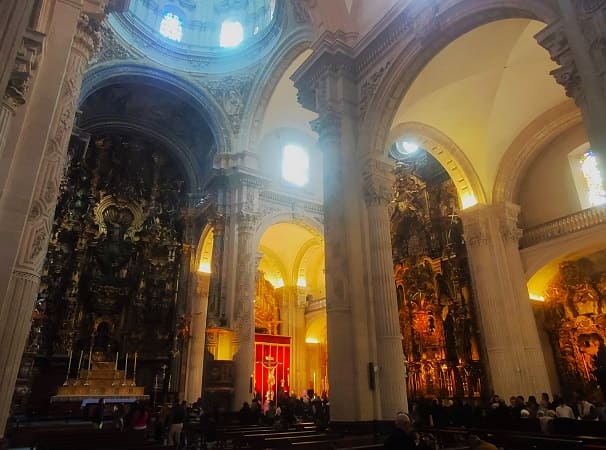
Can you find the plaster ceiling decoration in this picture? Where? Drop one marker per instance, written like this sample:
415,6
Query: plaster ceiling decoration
203,36
483,89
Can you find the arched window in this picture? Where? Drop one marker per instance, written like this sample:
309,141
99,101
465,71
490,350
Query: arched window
593,179
232,34
587,177
295,165
171,27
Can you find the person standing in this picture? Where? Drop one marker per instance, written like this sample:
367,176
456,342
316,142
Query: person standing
178,418
98,414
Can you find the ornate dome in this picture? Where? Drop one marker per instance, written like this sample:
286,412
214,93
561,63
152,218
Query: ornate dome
192,34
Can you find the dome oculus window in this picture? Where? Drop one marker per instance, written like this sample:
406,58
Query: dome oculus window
232,34
295,165
171,27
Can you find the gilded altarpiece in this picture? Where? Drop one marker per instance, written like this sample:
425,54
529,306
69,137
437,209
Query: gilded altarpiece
574,315
433,284
111,276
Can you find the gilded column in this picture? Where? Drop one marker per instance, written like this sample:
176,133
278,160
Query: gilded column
378,184
243,314
516,364
23,284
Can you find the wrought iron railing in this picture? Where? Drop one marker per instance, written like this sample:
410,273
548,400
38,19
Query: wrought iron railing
578,221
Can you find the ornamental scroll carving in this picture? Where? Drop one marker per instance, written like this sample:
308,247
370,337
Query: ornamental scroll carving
232,94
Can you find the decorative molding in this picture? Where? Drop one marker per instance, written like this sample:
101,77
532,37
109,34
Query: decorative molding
378,181
111,48
369,87
232,94
554,40
26,63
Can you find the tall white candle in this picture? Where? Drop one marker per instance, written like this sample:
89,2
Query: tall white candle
116,368
125,366
80,362
90,357
69,364
135,364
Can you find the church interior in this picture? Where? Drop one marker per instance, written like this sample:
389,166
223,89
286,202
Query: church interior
368,202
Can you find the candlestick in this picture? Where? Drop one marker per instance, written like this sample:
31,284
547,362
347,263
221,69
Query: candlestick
69,366
135,370
90,357
116,368
170,377
156,382
79,365
125,368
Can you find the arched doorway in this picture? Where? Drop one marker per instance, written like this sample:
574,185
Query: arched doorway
290,306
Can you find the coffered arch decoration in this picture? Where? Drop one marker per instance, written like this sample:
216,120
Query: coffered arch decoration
194,96
450,156
431,35
528,145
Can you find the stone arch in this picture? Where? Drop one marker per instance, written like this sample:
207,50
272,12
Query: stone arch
183,156
527,146
413,54
266,83
202,243
309,223
104,75
450,156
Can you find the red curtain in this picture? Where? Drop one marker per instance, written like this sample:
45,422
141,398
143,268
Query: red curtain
272,366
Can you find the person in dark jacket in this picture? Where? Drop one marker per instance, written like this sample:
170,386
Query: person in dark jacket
98,414
402,437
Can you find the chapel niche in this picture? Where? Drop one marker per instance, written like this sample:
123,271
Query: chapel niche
433,283
574,316
111,275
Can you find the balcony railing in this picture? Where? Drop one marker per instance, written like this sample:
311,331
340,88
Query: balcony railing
579,221
315,305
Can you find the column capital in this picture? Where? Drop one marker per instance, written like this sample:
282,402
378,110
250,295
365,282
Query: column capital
327,125
247,221
482,224
378,182
554,39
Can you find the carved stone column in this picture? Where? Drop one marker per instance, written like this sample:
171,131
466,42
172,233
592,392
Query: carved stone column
17,305
243,312
576,42
199,292
516,364
379,181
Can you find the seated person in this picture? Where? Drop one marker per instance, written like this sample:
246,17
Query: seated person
402,438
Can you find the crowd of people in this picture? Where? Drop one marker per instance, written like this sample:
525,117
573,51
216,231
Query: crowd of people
464,412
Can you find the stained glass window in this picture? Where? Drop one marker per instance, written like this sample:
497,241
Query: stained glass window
295,165
171,27
593,179
232,34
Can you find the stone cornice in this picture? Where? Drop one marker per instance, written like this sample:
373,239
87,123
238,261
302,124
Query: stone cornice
291,202
378,179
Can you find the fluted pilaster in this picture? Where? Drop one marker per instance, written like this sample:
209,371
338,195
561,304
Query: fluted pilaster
216,308
515,359
378,190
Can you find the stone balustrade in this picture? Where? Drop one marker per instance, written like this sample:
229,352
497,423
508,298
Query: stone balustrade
315,305
581,220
